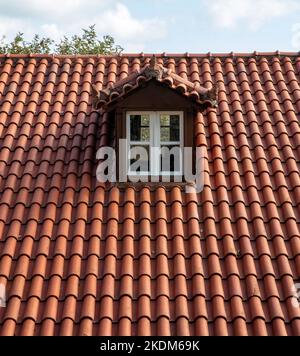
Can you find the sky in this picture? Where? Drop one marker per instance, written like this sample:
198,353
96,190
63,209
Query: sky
156,26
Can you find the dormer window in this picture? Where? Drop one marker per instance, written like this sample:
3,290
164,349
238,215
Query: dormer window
153,110
155,143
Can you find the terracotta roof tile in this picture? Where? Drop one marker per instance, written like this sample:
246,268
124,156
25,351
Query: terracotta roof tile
80,258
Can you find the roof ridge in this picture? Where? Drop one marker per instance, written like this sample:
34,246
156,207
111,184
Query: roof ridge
159,55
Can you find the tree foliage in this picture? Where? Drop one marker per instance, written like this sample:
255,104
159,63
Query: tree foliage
86,43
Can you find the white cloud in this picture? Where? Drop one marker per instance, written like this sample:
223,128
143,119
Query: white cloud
296,36
250,13
51,8
10,26
52,31
110,17
120,23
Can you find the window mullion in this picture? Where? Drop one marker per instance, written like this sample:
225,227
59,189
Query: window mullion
155,144
128,139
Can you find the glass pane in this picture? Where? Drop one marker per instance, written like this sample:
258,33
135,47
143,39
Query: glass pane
165,134
175,128
169,128
145,120
139,159
171,158
139,128
145,134
164,120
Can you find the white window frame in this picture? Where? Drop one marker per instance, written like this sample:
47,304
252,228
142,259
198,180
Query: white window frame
154,143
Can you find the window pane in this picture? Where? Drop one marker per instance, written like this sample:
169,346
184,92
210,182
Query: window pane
174,128
165,134
139,159
145,120
169,128
164,120
170,158
140,128
145,134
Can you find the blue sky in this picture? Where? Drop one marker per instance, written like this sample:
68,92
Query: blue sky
163,25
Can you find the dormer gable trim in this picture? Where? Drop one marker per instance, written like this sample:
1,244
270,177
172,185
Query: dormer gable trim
204,97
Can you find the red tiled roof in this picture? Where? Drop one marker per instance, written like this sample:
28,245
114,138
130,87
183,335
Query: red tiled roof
78,258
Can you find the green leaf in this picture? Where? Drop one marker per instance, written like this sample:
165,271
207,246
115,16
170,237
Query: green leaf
87,43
